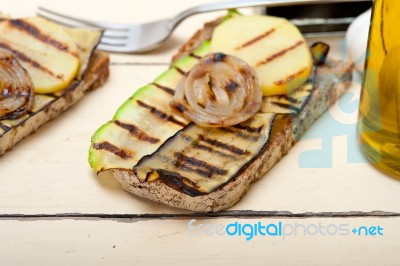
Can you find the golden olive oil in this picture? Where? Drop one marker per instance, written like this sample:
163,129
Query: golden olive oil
379,117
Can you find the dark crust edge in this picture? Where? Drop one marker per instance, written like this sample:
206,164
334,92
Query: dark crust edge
197,39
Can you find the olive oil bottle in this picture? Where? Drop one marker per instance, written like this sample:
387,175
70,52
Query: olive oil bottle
379,116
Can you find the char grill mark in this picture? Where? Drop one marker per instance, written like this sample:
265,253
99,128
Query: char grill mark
21,56
241,133
136,132
188,168
231,86
293,100
178,182
249,129
201,167
211,150
287,106
224,146
195,56
4,127
280,53
160,114
36,33
218,57
179,107
164,88
290,77
113,149
53,95
256,39
183,73
289,99
209,91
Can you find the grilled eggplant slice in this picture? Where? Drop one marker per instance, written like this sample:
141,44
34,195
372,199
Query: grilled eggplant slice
198,160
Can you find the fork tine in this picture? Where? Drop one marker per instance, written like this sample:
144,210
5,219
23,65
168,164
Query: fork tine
73,20
63,22
116,34
113,48
113,41
106,33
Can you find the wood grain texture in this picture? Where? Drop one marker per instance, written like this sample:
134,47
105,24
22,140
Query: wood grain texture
54,210
169,242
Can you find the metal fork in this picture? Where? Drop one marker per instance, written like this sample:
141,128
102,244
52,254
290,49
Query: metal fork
142,37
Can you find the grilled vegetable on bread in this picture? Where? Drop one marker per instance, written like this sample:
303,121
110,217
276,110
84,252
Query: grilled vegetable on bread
16,87
198,160
62,64
159,155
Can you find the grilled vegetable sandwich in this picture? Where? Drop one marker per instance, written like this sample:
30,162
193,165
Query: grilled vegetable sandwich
44,69
236,98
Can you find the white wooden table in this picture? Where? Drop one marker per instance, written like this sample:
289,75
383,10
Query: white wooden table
55,210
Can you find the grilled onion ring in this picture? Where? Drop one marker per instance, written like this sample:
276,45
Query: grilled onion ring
221,90
16,87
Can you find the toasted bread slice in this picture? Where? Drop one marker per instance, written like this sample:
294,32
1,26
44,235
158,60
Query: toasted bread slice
332,83
97,72
94,71
332,80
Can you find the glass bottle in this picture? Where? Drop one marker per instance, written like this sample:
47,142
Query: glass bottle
379,113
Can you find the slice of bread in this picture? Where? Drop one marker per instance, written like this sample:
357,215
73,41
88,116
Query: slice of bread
332,80
96,74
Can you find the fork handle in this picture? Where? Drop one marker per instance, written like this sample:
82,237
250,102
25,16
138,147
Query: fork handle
241,3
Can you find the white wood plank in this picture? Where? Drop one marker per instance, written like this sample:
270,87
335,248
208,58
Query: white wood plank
168,242
48,172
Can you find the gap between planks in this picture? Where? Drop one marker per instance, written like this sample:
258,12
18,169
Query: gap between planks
241,214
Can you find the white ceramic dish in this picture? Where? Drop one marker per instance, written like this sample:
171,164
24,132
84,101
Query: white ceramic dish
357,39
